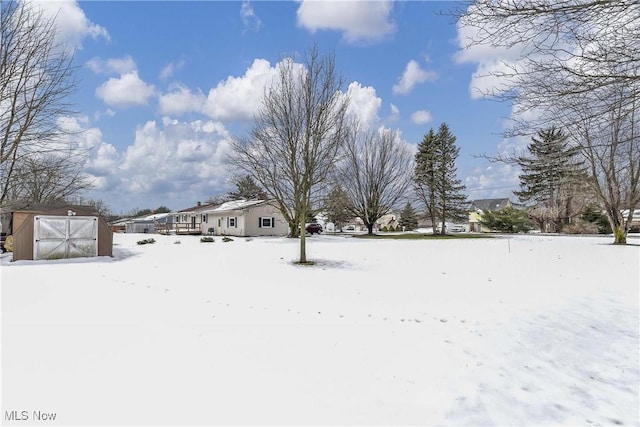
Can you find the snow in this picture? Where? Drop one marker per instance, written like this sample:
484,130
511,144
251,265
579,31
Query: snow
526,330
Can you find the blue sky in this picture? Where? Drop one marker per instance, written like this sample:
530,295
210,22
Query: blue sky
164,86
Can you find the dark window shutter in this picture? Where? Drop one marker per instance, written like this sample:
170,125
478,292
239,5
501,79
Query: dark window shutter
260,222
273,222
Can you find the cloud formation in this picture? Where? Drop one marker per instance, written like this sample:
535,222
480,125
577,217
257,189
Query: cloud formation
364,104
421,117
168,70
359,21
239,98
181,100
72,24
413,75
123,65
128,90
249,19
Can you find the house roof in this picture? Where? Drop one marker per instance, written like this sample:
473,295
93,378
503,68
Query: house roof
235,205
490,204
200,207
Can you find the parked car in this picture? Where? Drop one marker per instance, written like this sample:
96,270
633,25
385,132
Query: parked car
349,228
314,228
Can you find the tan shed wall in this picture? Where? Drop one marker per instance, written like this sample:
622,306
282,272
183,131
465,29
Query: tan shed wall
23,233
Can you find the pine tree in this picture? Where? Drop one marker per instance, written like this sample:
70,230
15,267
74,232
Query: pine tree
425,177
451,202
408,218
551,177
337,207
247,189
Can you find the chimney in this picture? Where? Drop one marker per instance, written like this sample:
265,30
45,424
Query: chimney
199,203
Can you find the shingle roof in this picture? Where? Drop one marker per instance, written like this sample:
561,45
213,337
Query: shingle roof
200,207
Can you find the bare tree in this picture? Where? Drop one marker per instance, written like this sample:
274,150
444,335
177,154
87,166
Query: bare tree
296,137
36,77
573,64
611,147
375,173
40,179
556,48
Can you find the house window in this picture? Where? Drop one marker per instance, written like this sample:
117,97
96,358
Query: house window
266,222
204,218
231,222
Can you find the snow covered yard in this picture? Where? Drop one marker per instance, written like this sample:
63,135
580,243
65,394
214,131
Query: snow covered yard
530,330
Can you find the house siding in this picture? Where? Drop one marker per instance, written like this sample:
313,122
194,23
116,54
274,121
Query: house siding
247,222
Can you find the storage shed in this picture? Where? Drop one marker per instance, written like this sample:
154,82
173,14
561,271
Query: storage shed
59,232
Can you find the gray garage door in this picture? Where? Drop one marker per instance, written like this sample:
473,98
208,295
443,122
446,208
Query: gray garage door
57,237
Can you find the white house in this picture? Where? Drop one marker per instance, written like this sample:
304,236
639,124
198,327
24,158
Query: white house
244,218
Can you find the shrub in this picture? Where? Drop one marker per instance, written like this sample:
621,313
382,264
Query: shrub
580,227
207,239
227,239
146,241
384,228
507,220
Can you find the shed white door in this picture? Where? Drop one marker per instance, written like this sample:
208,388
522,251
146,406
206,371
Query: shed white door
57,237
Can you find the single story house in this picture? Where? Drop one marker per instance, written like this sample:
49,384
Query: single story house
189,220
244,218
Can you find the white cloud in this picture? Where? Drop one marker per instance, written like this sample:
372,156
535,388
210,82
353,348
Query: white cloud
72,24
123,65
168,70
249,18
412,76
359,21
421,117
181,100
394,116
176,157
125,91
364,104
239,98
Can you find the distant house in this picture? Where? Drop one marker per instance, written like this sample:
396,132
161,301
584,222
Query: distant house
244,218
635,219
479,207
156,223
390,219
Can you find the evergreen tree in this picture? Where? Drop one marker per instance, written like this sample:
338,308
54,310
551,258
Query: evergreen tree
507,220
550,179
595,215
451,202
337,207
425,176
408,218
247,189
